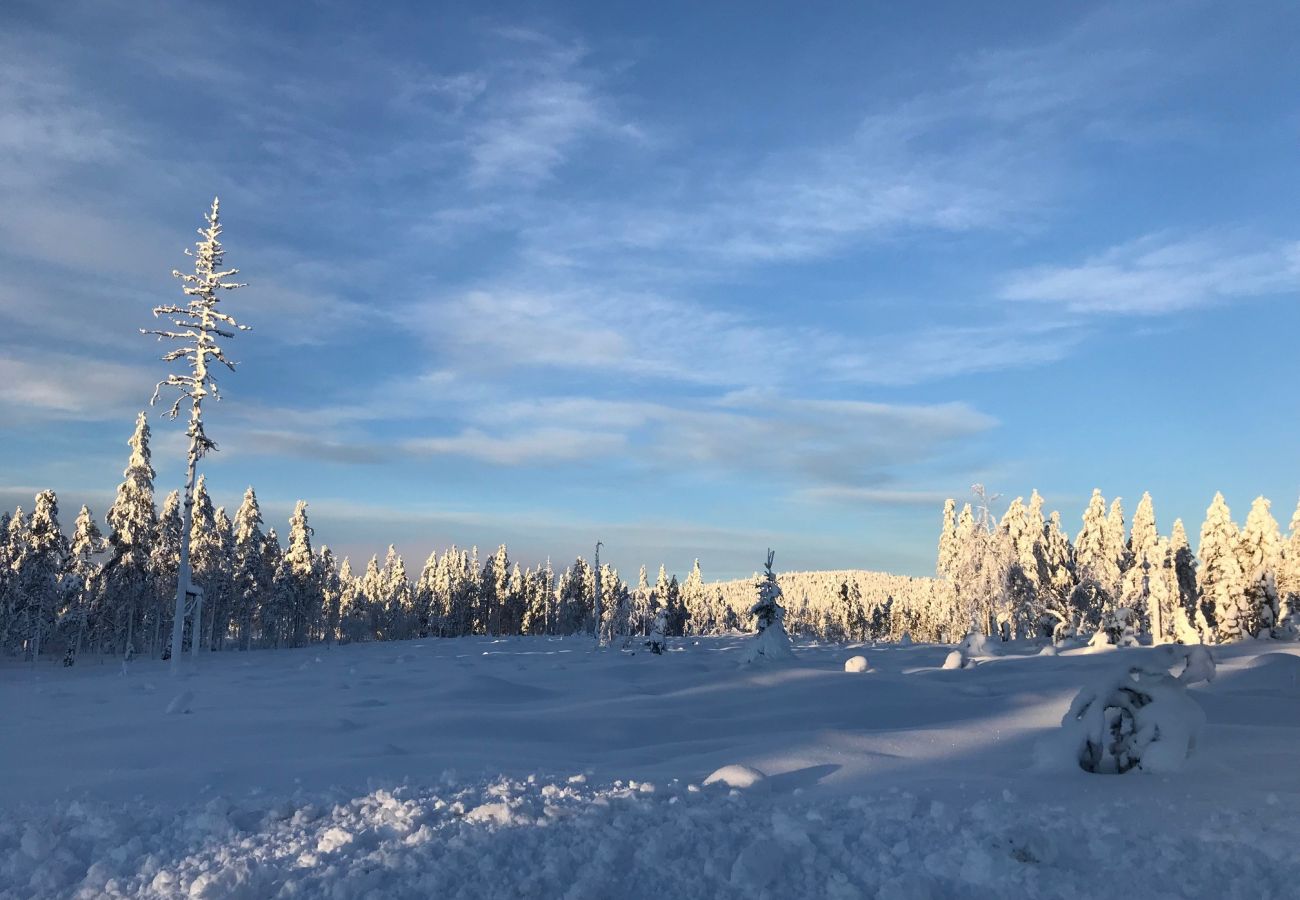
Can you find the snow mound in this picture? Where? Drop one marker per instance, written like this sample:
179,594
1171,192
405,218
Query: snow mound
955,660
1271,672
738,776
772,644
1049,650
855,664
181,703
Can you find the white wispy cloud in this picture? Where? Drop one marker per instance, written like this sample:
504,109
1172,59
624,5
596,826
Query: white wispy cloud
64,386
1160,274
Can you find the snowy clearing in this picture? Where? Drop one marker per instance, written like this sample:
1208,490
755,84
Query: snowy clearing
538,767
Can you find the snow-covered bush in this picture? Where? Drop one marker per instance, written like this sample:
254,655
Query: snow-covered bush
656,641
974,644
770,642
1141,719
956,660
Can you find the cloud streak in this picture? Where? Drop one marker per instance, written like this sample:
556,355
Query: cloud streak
1158,275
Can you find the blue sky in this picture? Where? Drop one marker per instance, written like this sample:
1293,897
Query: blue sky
694,279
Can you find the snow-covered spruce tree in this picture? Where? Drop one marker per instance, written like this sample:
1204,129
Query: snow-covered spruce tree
1142,542
516,602
1288,580
222,599
496,591
39,565
207,563
1097,560
1260,555
272,602
1140,719
352,603
327,576
248,583
305,612
80,584
1222,584
133,527
770,642
396,593
196,326
696,603
8,593
1057,578
164,561
947,561
1188,586
1115,539
424,597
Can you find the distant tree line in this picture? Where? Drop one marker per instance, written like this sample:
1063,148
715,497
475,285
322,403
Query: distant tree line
1023,575
111,591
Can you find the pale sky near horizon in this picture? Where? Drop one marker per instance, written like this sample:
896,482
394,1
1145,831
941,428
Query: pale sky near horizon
691,279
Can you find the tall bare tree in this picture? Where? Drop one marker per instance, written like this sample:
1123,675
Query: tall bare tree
196,327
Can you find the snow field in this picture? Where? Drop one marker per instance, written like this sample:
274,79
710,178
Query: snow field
536,767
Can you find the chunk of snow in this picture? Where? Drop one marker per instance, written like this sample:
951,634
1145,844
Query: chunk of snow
738,776
955,660
855,664
181,703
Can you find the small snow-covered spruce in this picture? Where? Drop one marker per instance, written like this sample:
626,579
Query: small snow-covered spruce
1142,719
770,641
196,326
657,642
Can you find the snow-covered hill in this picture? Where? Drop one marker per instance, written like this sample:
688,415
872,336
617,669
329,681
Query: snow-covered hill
538,767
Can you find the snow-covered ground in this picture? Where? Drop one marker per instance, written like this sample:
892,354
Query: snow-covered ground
541,768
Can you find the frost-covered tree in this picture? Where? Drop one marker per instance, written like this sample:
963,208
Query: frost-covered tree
11,529
276,595
1222,585
1259,554
496,591
1142,545
164,560
1057,575
39,564
133,527
768,616
1118,546
208,561
249,578
1288,581
696,602
327,577
947,561
397,597
1092,553
574,597
1184,571
80,582
196,327
352,605
306,606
